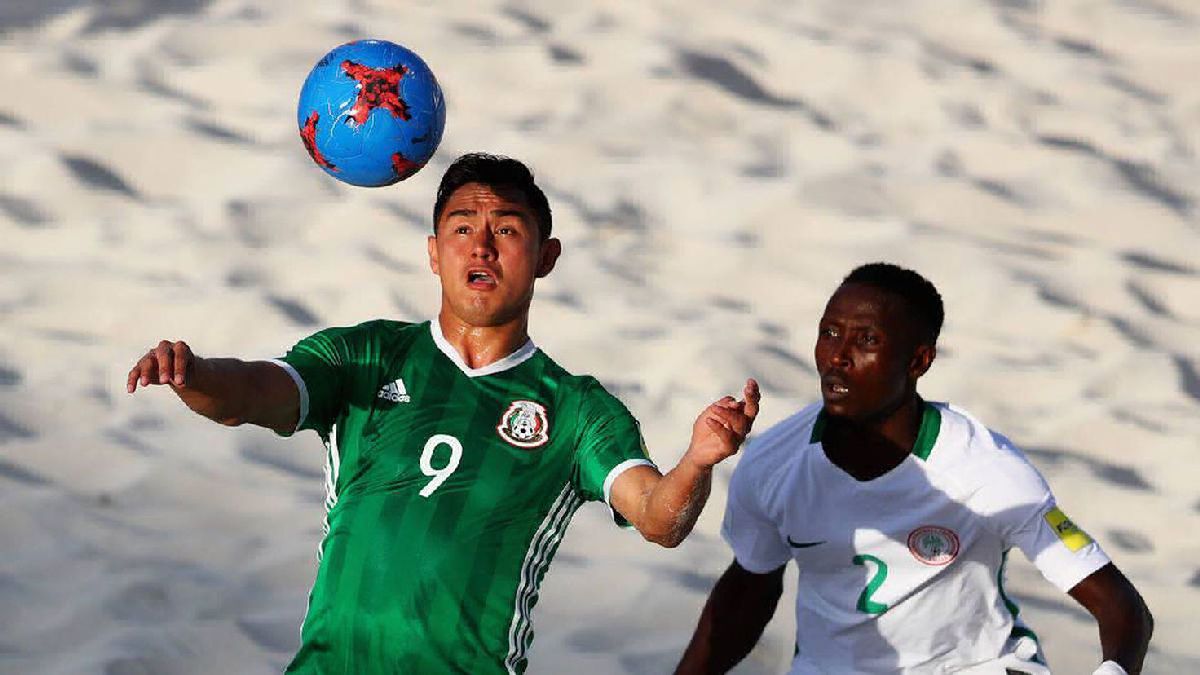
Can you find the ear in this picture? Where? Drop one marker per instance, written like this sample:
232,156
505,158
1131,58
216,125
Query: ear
433,255
550,250
923,357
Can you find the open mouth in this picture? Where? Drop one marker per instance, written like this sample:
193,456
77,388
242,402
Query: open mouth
833,389
481,279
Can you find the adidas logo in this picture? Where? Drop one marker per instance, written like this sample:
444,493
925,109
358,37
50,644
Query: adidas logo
395,392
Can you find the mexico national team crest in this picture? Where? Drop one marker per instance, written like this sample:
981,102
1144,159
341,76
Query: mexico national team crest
933,545
525,425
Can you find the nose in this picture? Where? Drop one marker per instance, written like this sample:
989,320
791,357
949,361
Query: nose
840,358
483,245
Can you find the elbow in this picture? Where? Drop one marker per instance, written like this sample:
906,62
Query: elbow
664,538
1137,611
668,542
229,420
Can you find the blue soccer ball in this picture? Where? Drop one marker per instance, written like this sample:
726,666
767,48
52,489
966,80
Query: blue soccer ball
371,113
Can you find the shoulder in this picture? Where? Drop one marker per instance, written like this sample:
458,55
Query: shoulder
766,470
585,390
388,329
983,463
383,338
580,395
551,369
785,442
593,398
370,342
369,330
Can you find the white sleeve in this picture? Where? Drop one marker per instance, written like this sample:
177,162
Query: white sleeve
1023,511
754,537
1062,552
301,389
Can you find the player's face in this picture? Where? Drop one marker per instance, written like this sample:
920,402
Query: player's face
867,354
488,252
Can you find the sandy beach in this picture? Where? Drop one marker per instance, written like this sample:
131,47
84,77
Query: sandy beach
714,170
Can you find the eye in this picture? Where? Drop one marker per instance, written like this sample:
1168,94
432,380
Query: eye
828,331
462,229
869,339
505,229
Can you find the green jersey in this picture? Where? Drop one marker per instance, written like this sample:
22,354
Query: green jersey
449,489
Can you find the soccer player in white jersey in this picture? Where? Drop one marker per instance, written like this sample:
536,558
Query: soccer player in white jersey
899,514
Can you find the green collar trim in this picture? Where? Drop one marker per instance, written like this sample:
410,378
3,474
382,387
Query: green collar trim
818,428
931,424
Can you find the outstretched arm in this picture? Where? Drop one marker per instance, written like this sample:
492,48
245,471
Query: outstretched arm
1123,618
665,508
733,620
229,391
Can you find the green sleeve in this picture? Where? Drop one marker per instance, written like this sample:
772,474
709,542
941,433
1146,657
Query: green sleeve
610,442
322,363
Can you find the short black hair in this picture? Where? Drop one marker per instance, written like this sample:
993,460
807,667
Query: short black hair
495,171
915,290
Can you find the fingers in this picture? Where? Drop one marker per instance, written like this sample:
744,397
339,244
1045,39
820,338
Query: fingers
724,433
733,419
167,362
135,375
728,402
142,371
164,353
183,359
752,396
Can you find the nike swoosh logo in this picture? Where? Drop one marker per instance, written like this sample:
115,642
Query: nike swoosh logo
802,544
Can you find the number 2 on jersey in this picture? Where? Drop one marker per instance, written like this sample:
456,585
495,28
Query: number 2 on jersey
865,603
439,475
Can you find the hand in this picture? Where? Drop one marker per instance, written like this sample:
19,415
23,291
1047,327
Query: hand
722,427
168,363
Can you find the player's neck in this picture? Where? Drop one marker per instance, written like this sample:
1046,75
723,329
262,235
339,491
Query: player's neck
867,449
481,346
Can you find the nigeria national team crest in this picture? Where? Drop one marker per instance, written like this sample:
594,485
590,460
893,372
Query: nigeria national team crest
933,545
525,425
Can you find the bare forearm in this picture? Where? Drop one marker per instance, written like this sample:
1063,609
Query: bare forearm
1125,636
738,610
1127,645
671,508
229,391
665,508
219,389
1124,621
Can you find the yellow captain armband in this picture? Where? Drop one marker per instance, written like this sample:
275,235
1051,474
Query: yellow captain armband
1073,537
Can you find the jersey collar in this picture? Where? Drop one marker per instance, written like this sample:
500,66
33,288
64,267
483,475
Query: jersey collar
521,355
931,424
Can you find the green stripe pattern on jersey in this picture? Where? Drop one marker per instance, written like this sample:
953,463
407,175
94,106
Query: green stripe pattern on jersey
449,491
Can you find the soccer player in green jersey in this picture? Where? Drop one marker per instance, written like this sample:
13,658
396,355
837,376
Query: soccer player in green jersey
457,451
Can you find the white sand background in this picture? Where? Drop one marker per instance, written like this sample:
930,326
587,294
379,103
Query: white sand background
714,169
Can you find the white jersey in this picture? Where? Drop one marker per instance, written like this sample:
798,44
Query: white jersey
903,573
